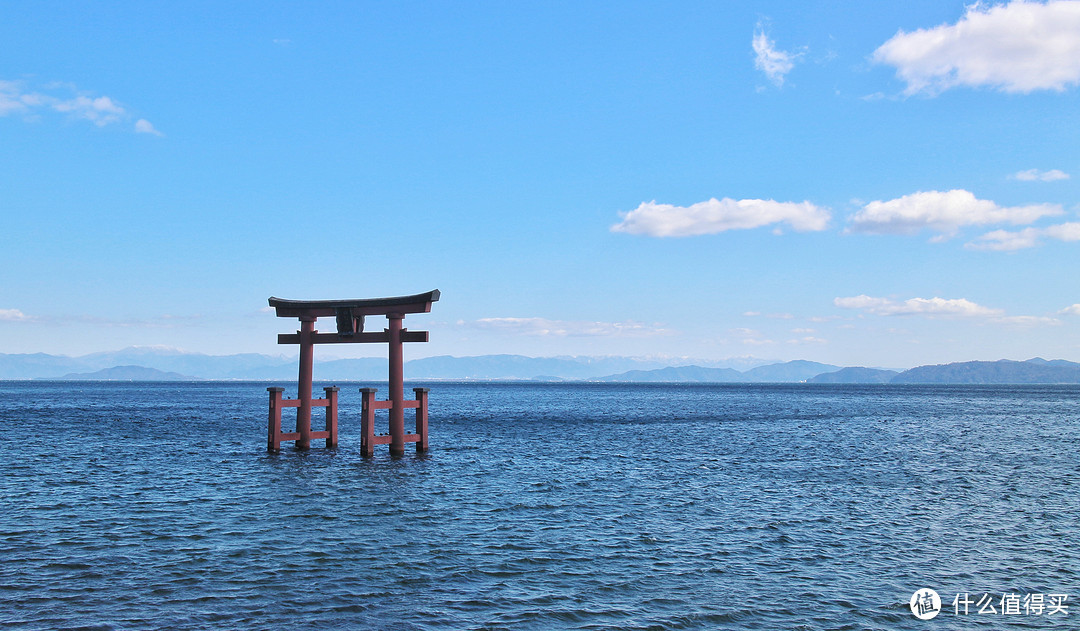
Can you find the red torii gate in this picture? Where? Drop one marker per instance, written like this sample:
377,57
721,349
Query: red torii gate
350,315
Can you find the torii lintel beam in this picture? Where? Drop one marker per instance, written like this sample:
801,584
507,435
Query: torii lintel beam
418,303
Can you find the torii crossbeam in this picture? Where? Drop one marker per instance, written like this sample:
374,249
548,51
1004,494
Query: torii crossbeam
349,315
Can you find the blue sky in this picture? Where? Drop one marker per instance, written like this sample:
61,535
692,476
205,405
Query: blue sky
861,183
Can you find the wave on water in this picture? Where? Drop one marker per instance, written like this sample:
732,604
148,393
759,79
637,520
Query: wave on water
539,506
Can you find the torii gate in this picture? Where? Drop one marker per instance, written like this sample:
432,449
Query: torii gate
350,329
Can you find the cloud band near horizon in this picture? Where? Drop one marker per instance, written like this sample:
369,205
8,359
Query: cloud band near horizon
945,308
543,327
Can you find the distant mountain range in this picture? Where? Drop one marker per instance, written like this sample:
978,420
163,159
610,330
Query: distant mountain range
1036,370
127,373
855,374
251,366
785,372
156,364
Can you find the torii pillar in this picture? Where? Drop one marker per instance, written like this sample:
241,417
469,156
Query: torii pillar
350,315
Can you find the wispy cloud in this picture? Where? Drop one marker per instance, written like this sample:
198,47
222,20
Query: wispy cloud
16,98
751,337
809,339
774,316
940,308
143,126
1016,47
99,110
14,315
1005,241
957,307
564,328
719,215
1028,320
1071,310
164,321
942,212
806,336
768,59
1035,175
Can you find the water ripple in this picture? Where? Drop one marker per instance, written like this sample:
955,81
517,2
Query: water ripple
147,506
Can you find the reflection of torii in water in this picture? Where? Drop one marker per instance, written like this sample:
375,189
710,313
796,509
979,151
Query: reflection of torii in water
349,315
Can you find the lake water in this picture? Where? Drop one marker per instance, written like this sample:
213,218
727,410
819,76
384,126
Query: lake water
541,506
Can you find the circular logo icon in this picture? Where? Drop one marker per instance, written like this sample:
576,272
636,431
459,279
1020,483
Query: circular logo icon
925,604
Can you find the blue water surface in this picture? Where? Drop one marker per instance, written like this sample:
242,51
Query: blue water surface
540,506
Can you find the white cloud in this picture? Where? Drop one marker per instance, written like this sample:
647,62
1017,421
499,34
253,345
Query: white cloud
754,341
774,316
862,302
942,212
1028,320
959,307
751,337
809,339
16,98
1016,47
1005,241
563,328
1071,310
774,63
143,126
719,215
165,321
14,315
1035,175
1064,231
12,99
99,110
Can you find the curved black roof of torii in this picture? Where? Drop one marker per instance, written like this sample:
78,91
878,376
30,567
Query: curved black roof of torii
417,303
